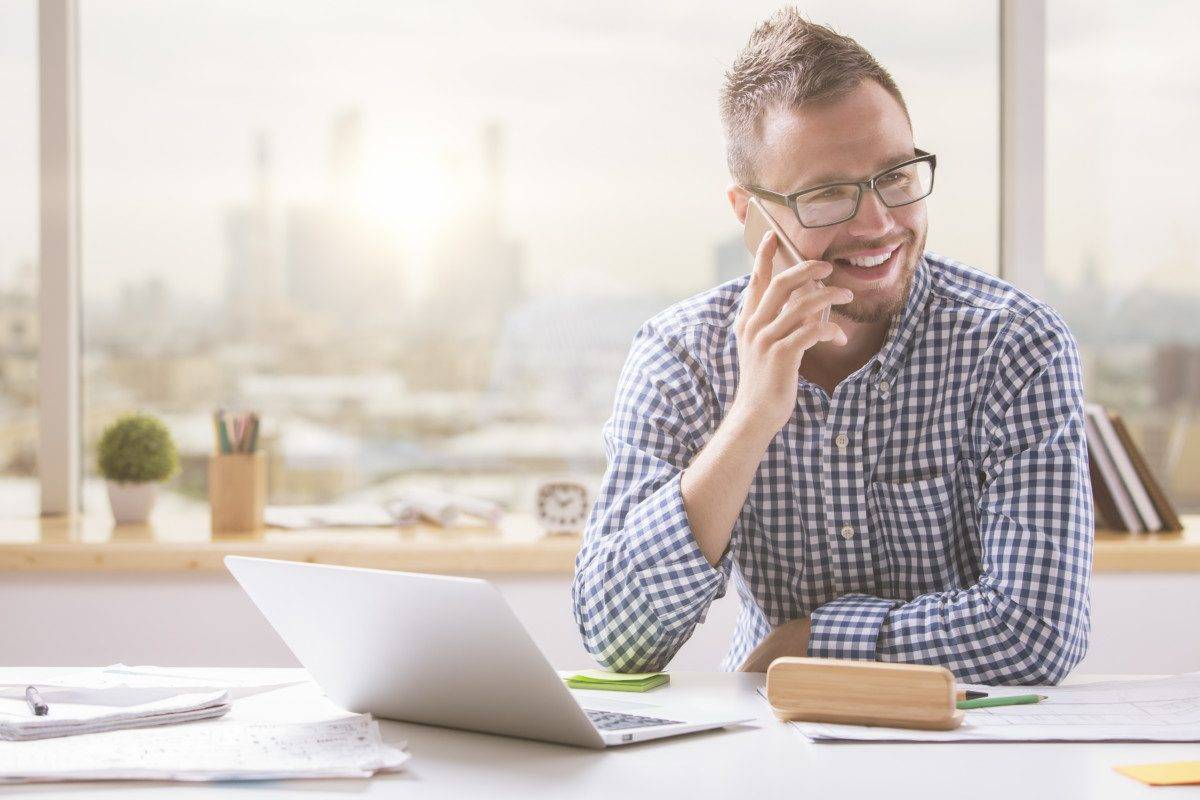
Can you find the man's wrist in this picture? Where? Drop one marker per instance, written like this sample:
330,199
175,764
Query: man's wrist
789,639
743,425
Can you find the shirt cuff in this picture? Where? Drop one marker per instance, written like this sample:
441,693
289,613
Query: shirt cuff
676,578
848,627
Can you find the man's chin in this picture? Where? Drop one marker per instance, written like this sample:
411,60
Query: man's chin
866,313
878,306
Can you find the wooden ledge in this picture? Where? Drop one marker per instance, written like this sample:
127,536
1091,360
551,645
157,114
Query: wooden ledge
1149,552
183,544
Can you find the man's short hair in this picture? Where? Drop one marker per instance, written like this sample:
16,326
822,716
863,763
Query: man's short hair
789,61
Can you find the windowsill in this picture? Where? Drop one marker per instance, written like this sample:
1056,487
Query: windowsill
183,544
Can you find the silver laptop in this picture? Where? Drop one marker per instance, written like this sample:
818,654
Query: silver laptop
436,650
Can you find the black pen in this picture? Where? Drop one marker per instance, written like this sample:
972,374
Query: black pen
36,704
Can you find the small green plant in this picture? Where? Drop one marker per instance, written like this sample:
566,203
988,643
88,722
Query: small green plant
137,448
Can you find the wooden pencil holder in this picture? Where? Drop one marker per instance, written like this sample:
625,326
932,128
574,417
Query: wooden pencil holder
237,491
863,693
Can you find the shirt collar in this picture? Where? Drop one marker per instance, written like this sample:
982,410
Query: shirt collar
904,325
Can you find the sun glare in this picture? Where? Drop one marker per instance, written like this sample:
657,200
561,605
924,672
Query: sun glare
409,197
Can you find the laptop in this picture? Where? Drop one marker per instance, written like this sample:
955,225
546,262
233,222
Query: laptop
436,650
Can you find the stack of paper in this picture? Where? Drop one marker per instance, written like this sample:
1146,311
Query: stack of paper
344,748
178,680
84,710
279,728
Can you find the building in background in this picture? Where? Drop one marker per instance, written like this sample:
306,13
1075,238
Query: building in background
254,286
476,278
344,263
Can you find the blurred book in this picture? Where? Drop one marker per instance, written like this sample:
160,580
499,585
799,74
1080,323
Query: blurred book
1127,495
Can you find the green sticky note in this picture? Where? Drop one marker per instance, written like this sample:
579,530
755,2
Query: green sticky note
617,681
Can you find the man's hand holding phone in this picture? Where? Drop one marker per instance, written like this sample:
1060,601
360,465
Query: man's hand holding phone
779,322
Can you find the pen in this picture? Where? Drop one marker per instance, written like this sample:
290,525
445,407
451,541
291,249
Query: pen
1011,700
36,704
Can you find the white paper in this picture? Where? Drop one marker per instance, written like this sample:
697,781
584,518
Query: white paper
445,507
208,751
1157,710
170,681
361,515
79,711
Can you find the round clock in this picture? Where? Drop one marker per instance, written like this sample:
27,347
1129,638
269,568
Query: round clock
562,506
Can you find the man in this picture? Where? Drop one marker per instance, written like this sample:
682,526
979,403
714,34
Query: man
906,482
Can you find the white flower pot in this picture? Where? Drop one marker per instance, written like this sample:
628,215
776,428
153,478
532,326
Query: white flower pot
131,502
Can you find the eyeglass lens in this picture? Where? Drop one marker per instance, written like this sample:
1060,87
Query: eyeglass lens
838,203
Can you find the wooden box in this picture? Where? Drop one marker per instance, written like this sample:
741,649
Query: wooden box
863,693
237,491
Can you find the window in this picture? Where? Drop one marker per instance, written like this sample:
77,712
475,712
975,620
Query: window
1123,253
419,237
18,261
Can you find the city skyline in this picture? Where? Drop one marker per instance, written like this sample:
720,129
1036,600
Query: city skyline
287,226
185,148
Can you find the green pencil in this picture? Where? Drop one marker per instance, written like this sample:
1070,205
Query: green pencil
1011,700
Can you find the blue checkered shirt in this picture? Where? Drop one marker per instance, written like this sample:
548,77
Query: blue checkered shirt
936,509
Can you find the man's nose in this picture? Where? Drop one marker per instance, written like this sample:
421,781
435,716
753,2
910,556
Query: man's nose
873,217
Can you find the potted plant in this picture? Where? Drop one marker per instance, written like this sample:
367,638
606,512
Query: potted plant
136,453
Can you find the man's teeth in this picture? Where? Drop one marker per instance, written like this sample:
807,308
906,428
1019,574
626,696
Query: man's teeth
873,261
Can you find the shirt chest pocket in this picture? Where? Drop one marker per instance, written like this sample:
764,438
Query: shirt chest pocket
925,535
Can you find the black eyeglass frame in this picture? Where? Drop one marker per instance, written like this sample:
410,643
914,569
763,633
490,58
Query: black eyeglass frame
789,200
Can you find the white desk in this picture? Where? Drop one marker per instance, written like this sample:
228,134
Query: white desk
759,761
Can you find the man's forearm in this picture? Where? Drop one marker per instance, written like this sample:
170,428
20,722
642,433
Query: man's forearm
715,484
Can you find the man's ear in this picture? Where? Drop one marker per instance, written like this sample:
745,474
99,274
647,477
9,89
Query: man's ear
738,200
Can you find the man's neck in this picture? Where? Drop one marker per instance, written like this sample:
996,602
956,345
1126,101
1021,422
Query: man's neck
827,365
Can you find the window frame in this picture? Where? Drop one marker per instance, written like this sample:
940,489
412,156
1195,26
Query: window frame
1022,31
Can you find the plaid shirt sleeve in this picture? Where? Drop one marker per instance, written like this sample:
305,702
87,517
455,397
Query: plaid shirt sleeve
1026,620
641,582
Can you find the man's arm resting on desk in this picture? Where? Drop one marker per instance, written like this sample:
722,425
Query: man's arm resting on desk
1026,620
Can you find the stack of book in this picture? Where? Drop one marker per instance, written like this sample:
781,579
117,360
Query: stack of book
1127,495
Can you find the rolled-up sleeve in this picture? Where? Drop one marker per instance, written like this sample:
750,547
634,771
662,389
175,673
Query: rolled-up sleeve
641,581
1026,620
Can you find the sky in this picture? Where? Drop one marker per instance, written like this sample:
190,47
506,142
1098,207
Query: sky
614,162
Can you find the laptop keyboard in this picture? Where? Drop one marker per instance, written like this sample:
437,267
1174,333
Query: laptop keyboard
616,721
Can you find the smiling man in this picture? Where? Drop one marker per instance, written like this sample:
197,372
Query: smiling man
907,481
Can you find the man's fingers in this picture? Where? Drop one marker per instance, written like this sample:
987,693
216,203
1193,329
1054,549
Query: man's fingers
810,333
760,277
782,286
806,305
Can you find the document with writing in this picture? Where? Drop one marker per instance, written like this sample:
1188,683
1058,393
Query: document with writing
281,726
1155,710
226,750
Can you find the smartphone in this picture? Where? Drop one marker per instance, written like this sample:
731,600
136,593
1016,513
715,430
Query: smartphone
758,221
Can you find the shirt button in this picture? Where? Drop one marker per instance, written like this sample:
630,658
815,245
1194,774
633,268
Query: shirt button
848,532
884,387
841,441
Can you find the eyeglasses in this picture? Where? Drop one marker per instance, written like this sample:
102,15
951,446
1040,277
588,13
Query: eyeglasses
832,203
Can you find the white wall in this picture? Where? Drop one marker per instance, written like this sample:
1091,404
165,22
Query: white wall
1142,623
